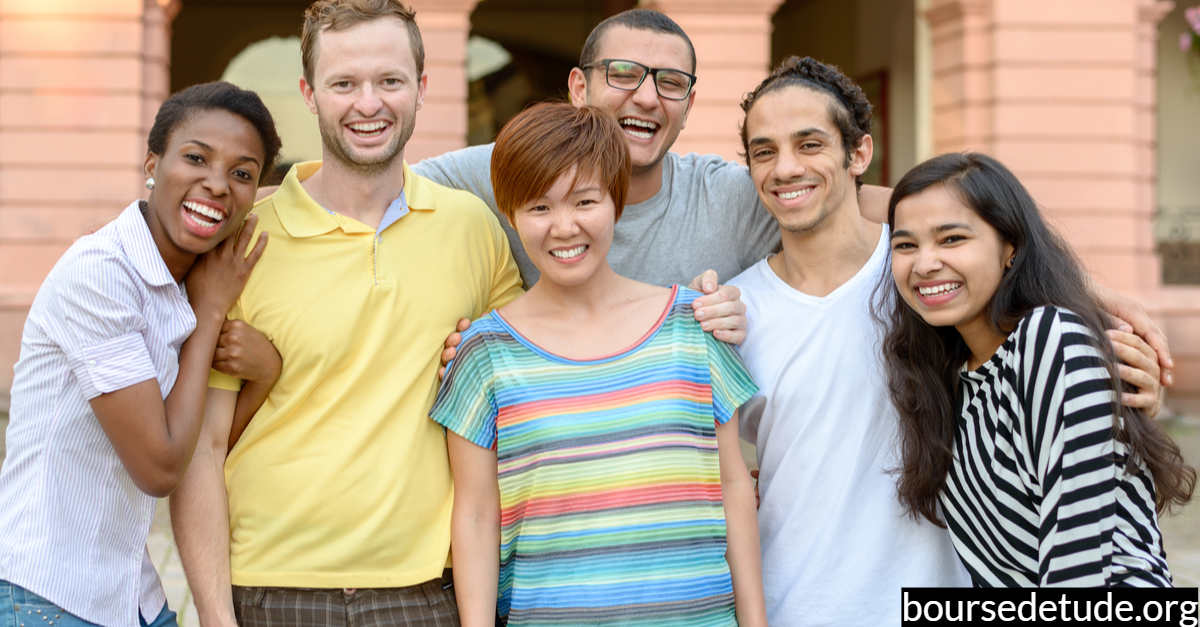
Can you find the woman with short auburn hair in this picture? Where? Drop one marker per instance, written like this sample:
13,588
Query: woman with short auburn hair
592,423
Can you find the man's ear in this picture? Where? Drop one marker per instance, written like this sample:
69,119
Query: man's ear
691,100
860,159
421,85
306,90
577,87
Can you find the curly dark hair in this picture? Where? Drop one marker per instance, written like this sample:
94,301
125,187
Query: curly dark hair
223,96
848,108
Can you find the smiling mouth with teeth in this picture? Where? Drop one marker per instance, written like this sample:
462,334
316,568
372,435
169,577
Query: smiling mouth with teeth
938,290
570,253
368,129
796,194
204,215
634,127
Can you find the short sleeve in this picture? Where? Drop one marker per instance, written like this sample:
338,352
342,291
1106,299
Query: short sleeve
468,169
731,382
466,401
757,231
93,312
220,380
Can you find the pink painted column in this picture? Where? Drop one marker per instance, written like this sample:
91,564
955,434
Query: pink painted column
962,64
1063,93
72,122
156,56
1057,91
442,122
733,55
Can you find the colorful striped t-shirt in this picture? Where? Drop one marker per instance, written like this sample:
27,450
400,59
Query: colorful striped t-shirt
610,487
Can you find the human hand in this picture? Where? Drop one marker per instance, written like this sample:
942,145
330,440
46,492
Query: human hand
720,310
245,353
757,500
216,280
451,346
1130,312
1139,368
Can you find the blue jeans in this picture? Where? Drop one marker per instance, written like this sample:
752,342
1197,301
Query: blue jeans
20,607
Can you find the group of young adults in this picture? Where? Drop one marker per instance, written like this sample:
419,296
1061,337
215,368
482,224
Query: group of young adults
968,418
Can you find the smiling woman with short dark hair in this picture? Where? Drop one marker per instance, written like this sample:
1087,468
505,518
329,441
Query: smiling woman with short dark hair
109,392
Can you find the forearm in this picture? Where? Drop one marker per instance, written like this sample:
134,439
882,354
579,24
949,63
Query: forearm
474,530
476,551
154,438
249,400
200,517
200,520
741,528
743,552
185,405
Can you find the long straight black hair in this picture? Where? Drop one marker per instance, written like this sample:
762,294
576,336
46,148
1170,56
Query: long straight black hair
923,361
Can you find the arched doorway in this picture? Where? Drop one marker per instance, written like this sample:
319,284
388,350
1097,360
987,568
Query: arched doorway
543,39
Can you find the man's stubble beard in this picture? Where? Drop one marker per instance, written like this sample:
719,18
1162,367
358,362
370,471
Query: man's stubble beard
827,208
335,143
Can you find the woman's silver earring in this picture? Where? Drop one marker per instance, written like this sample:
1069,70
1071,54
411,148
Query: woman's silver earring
1010,261
150,183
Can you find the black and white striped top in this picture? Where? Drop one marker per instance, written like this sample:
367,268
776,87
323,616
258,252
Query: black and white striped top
1038,494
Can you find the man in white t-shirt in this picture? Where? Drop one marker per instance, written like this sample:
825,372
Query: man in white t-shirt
837,544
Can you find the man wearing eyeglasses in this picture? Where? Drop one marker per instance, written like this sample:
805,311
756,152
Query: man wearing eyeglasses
684,214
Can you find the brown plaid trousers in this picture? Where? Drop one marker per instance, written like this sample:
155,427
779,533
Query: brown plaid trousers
430,604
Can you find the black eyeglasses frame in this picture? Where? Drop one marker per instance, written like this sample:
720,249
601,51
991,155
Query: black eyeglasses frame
603,63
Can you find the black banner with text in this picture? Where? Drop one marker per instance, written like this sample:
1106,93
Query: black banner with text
1080,607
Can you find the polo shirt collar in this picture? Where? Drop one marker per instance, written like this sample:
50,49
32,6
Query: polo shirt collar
138,244
301,216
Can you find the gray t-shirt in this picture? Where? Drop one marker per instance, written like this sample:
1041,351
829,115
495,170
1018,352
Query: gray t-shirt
706,216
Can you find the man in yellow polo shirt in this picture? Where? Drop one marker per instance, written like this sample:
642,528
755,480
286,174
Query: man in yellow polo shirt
338,492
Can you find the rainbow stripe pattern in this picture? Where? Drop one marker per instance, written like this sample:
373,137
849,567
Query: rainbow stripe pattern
610,487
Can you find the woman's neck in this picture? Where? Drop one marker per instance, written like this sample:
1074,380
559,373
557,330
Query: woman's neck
592,296
178,261
605,315
981,340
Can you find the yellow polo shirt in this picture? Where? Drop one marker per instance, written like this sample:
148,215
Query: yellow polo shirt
342,480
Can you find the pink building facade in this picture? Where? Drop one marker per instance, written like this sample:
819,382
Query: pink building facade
1063,92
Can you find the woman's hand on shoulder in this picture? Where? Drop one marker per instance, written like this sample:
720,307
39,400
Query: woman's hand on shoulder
216,280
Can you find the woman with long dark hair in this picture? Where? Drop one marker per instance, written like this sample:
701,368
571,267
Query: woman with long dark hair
1008,392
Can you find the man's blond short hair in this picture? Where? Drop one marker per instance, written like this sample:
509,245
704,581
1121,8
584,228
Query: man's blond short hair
342,14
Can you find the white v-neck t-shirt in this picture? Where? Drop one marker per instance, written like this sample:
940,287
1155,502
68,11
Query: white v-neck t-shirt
837,545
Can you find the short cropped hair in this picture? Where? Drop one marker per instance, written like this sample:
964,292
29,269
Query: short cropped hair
542,142
636,19
216,96
849,108
343,14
